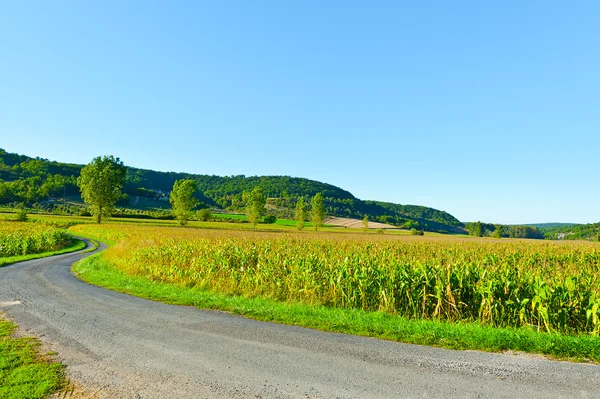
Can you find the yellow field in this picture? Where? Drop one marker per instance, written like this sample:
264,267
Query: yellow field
550,286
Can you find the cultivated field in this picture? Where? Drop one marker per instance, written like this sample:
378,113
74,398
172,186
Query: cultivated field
548,286
17,238
358,224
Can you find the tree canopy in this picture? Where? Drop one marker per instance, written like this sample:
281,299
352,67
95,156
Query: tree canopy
36,180
182,199
300,215
255,207
100,183
317,211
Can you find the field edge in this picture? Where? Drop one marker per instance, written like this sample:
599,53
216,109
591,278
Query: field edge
97,271
76,244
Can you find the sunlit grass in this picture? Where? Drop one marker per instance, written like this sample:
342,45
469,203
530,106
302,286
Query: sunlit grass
24,373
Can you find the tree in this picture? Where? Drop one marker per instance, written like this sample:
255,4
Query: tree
182,199
317,211
255,205
365,223
100,183
300,213
499,230
475,229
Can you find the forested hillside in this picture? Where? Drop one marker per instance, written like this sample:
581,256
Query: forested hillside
590,232
34,180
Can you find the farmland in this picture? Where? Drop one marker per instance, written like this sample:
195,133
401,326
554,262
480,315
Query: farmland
28,238
543,286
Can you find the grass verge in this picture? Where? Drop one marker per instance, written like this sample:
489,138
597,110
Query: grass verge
23,372
74,245
96,270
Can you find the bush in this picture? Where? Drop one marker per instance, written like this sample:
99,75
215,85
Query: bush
203,215
416,232
21,215
270,219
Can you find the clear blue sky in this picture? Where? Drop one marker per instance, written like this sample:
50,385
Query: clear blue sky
489,110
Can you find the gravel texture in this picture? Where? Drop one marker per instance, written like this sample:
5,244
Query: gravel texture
120,346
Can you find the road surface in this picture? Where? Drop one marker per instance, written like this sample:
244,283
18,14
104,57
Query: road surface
121,346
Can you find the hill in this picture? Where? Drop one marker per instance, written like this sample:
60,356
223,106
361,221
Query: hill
34,180
543,226
590,232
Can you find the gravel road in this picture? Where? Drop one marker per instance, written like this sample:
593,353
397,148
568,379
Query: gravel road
121,346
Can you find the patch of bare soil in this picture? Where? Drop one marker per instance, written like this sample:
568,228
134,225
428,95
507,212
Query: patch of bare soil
356,223
73,391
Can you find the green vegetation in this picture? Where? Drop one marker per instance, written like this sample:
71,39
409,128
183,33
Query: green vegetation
549,287
40,183
24,373
317,211
24,241
183,201
255,206
72,245
18,238
204,215
100,182
479,229
101,270
590,232
498,231
300,215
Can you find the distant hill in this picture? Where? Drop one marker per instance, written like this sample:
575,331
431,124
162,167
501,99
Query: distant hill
543,226
590,232
33,180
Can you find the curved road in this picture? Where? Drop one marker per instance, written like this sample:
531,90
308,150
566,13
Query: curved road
126,347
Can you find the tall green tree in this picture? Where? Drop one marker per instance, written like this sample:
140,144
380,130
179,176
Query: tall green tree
475,229
100,183
317,211
300,213
255,205
365,223
182,199
498,231
478,232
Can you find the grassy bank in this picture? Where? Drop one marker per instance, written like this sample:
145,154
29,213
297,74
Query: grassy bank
24,373
73,245
474,336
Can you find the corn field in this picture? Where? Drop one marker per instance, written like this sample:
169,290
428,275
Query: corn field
549,286
29,238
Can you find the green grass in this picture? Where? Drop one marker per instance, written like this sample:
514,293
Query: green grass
74,245
472,336
23,372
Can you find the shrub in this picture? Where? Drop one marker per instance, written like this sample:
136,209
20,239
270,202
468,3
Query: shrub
21,215
204,215
270,219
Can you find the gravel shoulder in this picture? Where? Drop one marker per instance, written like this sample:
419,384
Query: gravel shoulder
120,346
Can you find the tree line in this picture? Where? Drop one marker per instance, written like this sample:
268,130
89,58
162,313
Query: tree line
28,180
101,182
480,229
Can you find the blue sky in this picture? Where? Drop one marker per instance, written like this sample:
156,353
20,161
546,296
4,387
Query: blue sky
489,110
